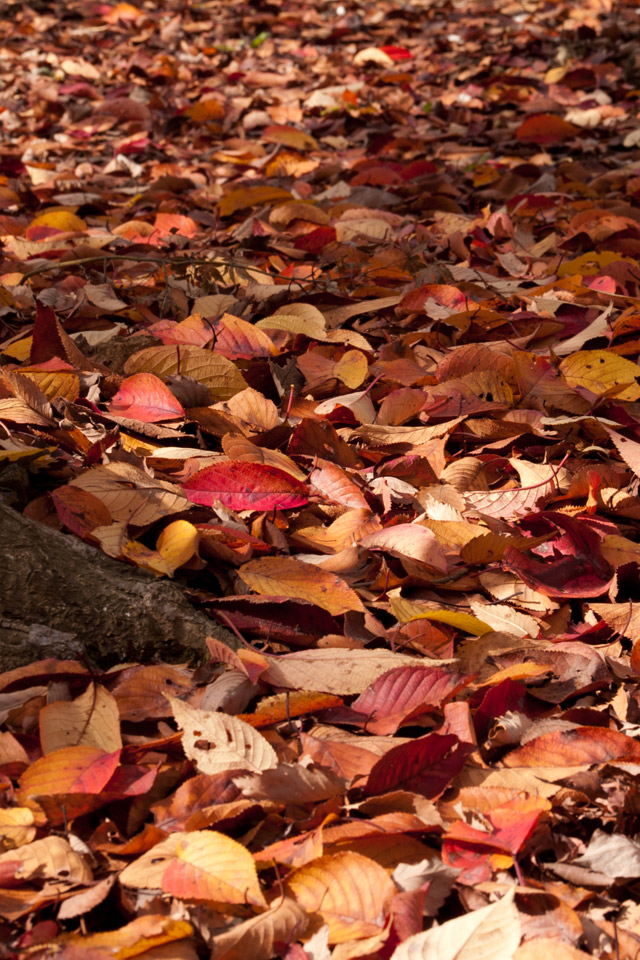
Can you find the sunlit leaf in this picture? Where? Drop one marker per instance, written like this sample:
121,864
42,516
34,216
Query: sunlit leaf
245,486
350,892
275,576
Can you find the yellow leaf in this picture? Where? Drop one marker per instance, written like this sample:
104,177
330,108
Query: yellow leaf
19,350
296,318
62,219
55,383
216,372
10,451
284,576
251,197
177,543
590,263
290,137
16,826
147,934
352,368
602,373
143,556
205,110
405,610
618,550
518,671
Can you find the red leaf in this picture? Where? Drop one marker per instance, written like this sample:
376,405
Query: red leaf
243,485
397,53
471,859
316,240
581,572
427,766
419,168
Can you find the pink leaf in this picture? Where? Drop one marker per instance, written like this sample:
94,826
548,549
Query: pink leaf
145,397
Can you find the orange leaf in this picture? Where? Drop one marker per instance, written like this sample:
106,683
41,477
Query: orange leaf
284,576
80,769
545,128
350,892
251,197
572,748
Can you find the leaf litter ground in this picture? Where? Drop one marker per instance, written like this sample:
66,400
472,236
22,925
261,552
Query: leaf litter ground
330,312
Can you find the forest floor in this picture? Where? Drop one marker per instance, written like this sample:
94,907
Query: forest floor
319,337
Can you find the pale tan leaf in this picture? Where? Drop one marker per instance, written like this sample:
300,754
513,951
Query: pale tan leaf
338,671
131,494
499,616
335,485
369,228
346,531
18,411
551,949
359,403
408,540
490,933
372,55
253,408
92,718
284,922
87,899
506,586
51,858
16,827
216,742
291,783
389,436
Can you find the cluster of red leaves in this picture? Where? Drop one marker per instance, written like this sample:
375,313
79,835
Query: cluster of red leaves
330,311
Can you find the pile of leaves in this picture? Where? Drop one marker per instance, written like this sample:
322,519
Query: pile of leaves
329,311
